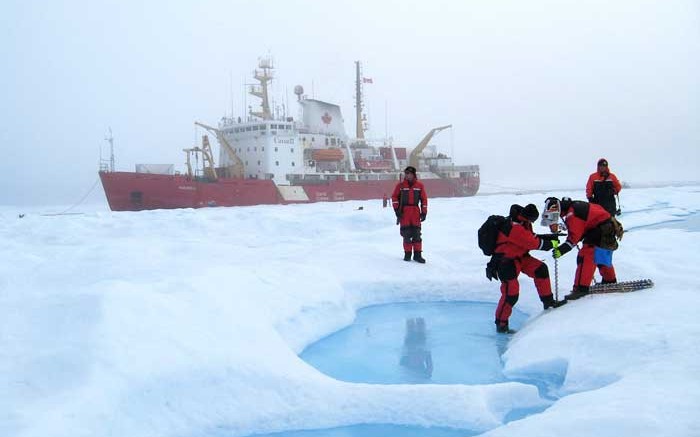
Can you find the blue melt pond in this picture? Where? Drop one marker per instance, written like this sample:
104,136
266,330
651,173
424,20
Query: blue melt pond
414,343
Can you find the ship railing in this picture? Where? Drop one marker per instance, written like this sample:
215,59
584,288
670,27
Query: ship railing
464,168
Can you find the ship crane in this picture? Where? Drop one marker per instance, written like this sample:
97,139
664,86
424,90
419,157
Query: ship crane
415,154
236,169
207,159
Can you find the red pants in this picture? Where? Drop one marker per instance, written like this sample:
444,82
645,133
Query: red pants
508,271
585,268
410,229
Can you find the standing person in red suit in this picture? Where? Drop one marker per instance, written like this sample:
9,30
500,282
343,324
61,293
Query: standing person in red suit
603,186
410,203
583,222
512,255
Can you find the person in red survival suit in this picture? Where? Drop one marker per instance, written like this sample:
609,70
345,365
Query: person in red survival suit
583,221
602,187
410,203
512,256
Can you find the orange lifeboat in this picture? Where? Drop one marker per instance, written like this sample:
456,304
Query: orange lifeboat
328,155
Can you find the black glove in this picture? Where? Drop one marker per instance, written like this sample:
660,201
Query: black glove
398,214
422,216
492,268
547,241
491,274
546,244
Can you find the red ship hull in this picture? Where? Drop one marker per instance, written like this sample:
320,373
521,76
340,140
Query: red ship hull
127,191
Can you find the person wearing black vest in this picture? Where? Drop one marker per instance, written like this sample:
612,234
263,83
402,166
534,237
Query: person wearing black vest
602,187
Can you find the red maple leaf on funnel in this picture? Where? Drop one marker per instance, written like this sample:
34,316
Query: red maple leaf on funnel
327,118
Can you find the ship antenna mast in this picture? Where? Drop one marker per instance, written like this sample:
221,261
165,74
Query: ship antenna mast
359,106
263,75
110,140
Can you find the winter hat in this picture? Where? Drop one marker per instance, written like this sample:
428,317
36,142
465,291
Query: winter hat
515,211
410,169
603,162
530,212
565,204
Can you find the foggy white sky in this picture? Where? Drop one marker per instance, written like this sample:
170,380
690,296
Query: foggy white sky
536,90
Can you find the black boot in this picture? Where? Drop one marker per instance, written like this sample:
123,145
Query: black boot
407,256
578,292
504,329
418,257
549,302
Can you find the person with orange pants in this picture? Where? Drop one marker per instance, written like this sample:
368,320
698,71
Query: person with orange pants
583,221
410,203
512,256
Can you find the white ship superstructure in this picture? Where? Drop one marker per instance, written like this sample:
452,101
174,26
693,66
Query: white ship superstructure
315,148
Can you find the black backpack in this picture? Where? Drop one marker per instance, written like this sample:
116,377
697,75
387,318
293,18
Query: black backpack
488,232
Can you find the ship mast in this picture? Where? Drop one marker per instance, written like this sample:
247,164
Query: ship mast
104,166
360,126
263,75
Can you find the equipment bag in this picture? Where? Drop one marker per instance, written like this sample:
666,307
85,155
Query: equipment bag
611,231
488,232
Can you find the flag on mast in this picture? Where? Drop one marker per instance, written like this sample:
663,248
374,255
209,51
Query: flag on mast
367,80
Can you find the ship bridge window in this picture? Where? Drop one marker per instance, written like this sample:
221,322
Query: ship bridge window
277,163
255,128
333,141
258,162
292,150
292,163
263,127
288,127
275,149
326,141
248,129
273,126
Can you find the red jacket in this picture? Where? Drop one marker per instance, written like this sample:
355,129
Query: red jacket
597,177
519,241
408,195
582,217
